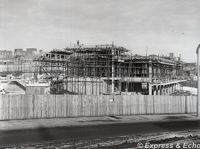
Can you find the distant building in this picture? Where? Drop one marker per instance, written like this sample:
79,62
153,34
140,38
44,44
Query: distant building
19,52
171,55
30,53
6,55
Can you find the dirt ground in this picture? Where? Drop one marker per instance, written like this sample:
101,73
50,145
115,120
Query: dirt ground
158,140
108,132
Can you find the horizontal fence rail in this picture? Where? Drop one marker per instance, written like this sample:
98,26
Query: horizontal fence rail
57,106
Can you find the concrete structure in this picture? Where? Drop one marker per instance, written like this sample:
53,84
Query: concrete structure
109,69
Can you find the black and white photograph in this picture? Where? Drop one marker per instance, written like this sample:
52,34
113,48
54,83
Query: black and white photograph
99,74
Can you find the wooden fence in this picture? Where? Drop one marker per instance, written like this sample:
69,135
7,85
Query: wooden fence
54,106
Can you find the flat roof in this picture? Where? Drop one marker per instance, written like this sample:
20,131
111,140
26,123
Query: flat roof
37,84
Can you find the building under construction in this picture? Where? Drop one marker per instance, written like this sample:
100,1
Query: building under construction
108,69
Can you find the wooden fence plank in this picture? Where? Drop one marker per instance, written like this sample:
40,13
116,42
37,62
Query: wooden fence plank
51,106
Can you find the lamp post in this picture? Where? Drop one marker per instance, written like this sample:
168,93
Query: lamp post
198,81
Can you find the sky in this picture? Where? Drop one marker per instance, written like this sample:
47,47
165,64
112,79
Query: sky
142,26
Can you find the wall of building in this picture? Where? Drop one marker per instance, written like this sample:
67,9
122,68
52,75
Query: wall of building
57,106
32,90
22,67
86,86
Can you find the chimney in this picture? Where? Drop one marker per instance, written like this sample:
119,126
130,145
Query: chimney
78,43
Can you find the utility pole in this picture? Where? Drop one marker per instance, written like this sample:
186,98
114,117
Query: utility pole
113,70
198,81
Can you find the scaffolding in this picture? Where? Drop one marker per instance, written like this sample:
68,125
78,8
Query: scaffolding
103,69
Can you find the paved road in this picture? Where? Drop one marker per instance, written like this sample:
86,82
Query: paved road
90,132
